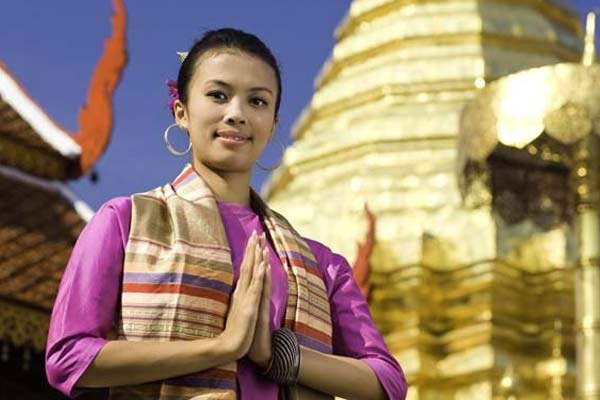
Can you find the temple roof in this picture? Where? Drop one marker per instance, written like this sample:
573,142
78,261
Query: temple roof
39,224
30,139
382,129
40,130
40,218
36,236
384,119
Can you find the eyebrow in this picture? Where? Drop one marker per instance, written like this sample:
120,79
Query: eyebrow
227,85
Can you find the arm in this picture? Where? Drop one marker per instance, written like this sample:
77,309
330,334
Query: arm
342,375
337,375
78,354
121,362
126,363
85,306
362,366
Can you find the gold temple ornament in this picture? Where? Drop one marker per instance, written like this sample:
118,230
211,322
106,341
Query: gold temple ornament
560,115
473,269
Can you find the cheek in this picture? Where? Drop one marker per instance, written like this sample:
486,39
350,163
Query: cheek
265,125
202,113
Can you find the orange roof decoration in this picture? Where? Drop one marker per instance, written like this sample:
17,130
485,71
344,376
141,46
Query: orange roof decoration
361,267
31,141
40,218
95,117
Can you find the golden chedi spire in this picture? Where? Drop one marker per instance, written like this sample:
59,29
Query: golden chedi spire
589,51
396,82
382,129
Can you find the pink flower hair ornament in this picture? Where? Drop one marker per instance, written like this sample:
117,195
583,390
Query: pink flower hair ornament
173,94
172,85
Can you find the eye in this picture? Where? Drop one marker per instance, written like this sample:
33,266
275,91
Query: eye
217,95
258,101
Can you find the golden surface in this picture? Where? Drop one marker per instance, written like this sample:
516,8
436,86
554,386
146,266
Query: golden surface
473,294
589,52
588,308
561,100
544,123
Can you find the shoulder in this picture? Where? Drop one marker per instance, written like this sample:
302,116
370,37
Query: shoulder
113,217
117,204
326,259
322,253
334,267
117,207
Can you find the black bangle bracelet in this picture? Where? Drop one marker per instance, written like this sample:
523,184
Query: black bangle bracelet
284,365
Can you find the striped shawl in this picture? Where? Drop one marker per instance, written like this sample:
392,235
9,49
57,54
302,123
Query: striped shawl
178,277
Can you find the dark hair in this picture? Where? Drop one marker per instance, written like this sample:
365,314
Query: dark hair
226,38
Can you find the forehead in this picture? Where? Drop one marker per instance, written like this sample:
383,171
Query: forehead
234,67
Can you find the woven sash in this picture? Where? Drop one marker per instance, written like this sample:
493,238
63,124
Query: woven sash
178,277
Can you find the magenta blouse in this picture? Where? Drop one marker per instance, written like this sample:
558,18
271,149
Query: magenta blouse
87,304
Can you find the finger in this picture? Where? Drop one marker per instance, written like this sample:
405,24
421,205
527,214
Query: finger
263,247
265,301
248,262
268,277
258,282
258,258
263,240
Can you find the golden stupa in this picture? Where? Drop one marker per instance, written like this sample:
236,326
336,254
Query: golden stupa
477,238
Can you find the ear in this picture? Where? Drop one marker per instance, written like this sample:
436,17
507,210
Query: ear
275,123
180,114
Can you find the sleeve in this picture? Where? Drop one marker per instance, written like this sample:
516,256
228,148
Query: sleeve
86,304
354,332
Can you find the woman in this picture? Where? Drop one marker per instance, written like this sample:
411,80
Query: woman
200,277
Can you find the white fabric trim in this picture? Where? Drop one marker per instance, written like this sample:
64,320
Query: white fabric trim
84,211
13,95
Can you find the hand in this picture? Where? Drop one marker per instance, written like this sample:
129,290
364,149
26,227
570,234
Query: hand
245,301
260,350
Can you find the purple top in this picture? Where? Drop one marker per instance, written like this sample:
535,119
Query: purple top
87,304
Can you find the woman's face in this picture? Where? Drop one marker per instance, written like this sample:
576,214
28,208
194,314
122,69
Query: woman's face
230,112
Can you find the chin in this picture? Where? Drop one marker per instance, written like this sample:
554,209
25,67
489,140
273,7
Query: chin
230,166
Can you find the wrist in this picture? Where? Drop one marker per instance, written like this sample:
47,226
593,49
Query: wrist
264,362
227,348
284,366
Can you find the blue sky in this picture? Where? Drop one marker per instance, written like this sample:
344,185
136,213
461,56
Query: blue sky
52,48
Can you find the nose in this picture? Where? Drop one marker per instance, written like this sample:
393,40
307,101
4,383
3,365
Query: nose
235,112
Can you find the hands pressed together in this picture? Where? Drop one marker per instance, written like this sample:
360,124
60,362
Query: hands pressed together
247,333
247,326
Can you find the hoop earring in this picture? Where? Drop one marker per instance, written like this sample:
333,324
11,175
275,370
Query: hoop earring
172,149
274,167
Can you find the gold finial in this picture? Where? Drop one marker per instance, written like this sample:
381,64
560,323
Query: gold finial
182,55
589,51
509,383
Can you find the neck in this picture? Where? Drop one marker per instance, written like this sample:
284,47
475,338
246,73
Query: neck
228,187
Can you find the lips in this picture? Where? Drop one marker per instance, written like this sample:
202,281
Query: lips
233,136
